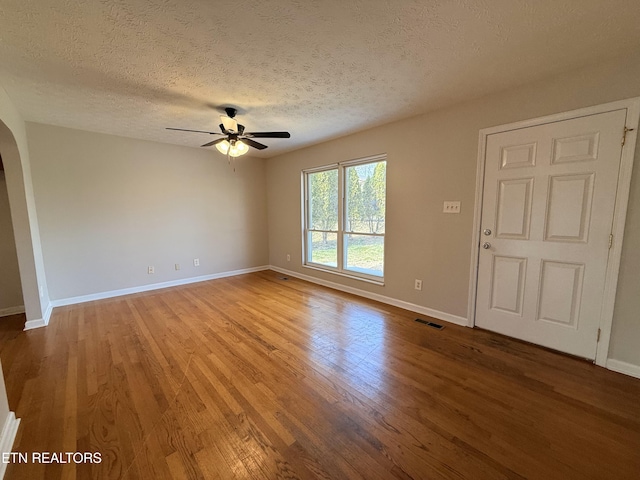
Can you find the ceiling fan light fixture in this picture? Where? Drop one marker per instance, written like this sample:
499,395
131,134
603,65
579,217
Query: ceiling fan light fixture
233,148
238,148
223,147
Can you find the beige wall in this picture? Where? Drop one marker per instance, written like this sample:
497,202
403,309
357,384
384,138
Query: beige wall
432,158
109,207
15,156
10,288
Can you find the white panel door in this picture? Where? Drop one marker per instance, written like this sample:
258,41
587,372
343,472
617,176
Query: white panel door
547,212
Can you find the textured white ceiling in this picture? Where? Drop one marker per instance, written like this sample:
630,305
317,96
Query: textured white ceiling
317,68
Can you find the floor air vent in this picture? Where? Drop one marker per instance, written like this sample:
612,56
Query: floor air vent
430,324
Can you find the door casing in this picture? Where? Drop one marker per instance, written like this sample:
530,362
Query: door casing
632,106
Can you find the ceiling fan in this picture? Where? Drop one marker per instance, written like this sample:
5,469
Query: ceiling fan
235,141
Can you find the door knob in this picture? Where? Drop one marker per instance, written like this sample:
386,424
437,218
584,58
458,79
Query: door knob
486,245
487,231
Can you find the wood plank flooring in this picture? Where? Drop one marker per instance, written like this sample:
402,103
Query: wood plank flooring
259,377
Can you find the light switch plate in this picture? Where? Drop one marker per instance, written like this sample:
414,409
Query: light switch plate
451,207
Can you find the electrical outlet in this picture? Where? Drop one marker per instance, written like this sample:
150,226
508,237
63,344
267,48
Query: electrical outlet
288,257
451,207
151,270
196,262
177,266
418,284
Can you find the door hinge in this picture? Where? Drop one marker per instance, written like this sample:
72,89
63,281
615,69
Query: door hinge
599,332
610,240
624,134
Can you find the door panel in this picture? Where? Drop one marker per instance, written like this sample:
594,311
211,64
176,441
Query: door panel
575,149
560,292
507,284
569,208
514,208
549,197
517,156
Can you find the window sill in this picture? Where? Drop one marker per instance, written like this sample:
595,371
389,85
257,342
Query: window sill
353,276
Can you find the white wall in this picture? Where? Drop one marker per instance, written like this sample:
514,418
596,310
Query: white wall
110,206
10,288
432,158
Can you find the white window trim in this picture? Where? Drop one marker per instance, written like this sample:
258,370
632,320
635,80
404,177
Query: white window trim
339,269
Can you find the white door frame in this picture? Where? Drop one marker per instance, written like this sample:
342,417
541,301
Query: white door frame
619,216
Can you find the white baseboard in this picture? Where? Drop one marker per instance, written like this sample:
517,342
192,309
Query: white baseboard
624,367
36,323
154,286
47,314
39,322
447,317
7,437
5,312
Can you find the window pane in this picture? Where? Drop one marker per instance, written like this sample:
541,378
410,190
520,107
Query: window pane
323,248
364,254
366,189
323,200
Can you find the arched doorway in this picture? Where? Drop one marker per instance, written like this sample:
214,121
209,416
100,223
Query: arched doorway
24,221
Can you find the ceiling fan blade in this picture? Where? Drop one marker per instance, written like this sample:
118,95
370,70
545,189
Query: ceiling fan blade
218,140
268,134
197,131
253,144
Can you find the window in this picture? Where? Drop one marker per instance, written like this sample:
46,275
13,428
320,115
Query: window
344,217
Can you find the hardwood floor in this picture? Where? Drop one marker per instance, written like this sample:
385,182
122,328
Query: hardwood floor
258,377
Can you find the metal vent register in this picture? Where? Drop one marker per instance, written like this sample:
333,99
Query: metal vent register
430,324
